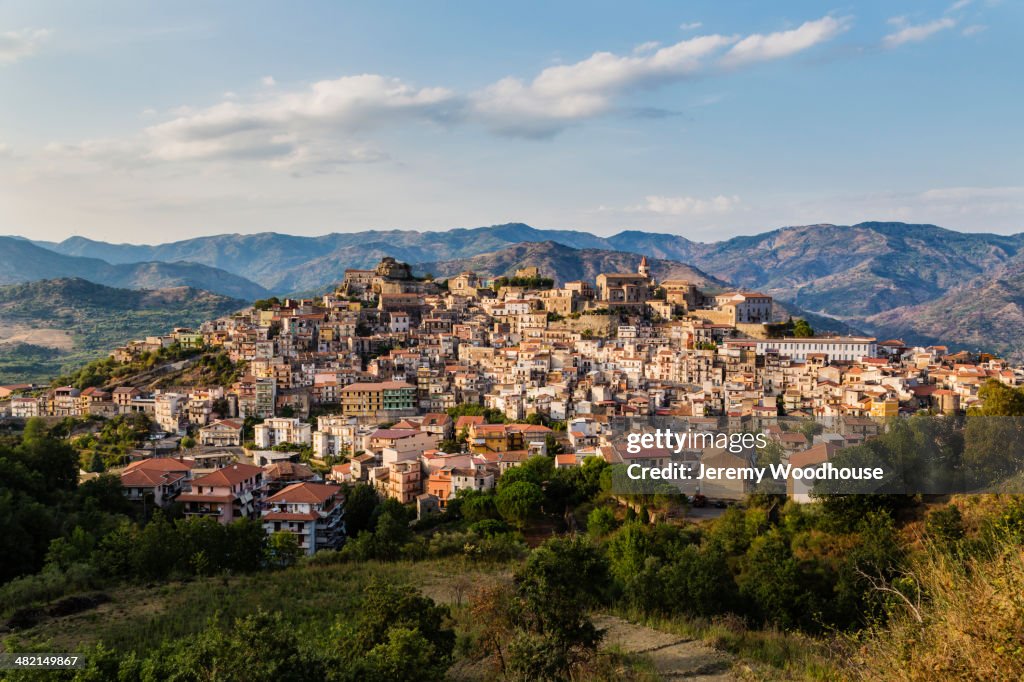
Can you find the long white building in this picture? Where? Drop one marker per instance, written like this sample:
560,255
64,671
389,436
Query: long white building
833,347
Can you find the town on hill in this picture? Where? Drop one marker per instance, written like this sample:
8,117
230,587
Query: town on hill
359,425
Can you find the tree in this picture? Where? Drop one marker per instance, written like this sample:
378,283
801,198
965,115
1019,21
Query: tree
562,580
388,606
360,504
519,501
283,550
600,522
802,329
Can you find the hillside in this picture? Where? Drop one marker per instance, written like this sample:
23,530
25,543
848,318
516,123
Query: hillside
989,315
49,326
23,261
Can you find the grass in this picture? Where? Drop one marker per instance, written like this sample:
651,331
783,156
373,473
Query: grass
140,617
768,654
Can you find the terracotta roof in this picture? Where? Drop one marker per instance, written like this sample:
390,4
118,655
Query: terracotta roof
311,493
394,433
229,475
813,456
160,464
149,478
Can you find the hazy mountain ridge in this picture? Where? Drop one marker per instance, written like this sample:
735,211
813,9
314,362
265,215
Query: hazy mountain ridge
849,270
24,261
565,264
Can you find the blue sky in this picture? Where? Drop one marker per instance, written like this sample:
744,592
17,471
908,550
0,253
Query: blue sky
146,122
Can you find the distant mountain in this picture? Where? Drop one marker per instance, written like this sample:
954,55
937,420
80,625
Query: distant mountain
49,326
851,271
985,313
860,270
569,264
287,263
24,261
565,264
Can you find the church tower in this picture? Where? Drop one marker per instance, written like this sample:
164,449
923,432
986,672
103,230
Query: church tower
644,270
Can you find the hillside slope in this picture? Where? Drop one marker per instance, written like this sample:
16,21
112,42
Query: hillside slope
49,326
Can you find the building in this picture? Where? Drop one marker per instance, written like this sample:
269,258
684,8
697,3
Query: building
378,400
168,412
849,348
278,430
156,480
745,307
221,433
226,494
313,512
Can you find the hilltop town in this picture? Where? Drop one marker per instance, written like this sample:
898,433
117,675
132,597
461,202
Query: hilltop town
421,388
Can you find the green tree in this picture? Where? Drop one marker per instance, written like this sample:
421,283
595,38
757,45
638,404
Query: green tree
518,502
802,329
600,522
283,550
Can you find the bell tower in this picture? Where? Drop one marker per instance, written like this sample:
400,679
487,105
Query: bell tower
644,270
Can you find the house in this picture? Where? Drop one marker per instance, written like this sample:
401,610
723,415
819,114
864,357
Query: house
278,430
313,512
385,399
406,443
439,425
227,494
156,480
221,433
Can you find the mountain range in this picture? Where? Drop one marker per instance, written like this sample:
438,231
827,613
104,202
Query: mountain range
24,261
892,279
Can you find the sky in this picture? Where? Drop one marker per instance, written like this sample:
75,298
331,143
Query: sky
146,122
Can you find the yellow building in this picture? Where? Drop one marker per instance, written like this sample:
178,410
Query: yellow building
377,399
883,409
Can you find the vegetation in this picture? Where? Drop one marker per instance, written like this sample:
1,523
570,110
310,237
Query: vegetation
526,282
96,319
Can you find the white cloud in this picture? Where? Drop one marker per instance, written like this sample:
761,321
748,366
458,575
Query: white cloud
688,206
958,5
561,95
913,33
282,126
691,26
955,194
278,125
760,47
566,93
649,46
973,29
16,45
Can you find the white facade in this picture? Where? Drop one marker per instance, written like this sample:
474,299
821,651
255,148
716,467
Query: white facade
278,430
835,348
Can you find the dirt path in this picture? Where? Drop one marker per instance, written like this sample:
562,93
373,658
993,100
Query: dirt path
673,657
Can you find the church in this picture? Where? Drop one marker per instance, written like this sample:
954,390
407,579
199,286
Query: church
631,288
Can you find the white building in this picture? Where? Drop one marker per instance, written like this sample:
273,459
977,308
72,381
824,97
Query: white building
833,347
277,430
24,408
168,411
